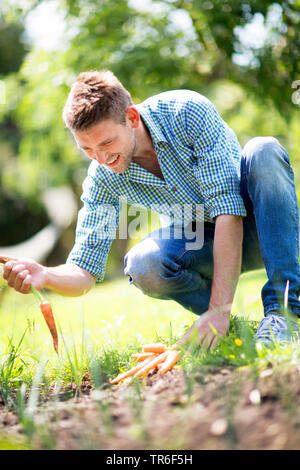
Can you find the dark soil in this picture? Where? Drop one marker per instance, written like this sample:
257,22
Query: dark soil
227,409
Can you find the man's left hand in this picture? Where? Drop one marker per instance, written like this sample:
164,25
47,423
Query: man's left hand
207,329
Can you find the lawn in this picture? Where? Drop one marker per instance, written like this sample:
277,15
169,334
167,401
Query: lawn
113,313
232,394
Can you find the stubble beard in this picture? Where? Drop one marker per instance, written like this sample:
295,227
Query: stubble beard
130,154
127,158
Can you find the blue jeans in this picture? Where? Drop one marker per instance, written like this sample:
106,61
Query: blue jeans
165,269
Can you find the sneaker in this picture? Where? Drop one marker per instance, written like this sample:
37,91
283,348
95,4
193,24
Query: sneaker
276,328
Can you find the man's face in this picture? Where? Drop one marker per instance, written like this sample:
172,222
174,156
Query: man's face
109,142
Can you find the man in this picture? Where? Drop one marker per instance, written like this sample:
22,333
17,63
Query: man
174,148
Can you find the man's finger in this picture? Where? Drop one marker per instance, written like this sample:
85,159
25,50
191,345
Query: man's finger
20,279
8,269
214,343
207,341
13,271
26,285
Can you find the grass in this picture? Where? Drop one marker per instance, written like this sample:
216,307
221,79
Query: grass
98,334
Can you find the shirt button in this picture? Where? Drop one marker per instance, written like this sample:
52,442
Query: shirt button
174,189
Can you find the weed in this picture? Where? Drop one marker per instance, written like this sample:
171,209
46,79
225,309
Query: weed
31,374
26,412
12,369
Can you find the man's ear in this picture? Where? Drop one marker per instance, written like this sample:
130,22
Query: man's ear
133,116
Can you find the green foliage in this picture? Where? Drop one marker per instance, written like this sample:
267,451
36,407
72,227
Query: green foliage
151,47
14,10
272,63
12,367
34,381
46,155
142,48
150,53
12,49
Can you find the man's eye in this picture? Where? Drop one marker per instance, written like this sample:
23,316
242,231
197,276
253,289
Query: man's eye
89,153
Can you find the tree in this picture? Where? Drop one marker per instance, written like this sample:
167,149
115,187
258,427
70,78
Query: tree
273,62
174,44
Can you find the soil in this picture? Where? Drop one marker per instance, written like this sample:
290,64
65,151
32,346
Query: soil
225,409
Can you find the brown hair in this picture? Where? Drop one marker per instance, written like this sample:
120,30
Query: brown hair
95,96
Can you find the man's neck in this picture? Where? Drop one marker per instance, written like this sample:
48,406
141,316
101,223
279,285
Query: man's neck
144,142
145,155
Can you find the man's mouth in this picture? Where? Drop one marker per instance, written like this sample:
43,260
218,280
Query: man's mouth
113,160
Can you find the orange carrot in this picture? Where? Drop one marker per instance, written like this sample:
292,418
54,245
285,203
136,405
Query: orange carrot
154,348
142,356
46,310
129,372
172,358
152,363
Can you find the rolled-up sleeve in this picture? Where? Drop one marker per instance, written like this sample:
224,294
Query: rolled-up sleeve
217,152
97,223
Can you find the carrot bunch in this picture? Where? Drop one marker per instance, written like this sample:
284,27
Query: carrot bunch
153,356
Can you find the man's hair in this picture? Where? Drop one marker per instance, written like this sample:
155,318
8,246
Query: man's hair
94,97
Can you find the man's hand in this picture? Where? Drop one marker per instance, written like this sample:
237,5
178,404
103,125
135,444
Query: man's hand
203,330
21,273
214,323
66,279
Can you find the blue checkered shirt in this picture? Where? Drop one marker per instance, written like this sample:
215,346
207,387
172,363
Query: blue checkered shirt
199,156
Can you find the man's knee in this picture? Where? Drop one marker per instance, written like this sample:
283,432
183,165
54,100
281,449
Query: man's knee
145,267
265,146
266,158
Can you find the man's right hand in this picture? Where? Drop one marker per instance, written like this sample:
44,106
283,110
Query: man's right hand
65,279
21,273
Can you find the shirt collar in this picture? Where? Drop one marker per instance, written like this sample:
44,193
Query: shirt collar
134,171
156,134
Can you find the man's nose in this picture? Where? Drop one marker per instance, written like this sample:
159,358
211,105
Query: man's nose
100,157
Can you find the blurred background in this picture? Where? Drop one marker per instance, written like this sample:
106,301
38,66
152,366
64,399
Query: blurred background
243,55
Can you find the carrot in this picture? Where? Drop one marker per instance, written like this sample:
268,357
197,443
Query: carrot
172,358
152,363
129,372
154,348
46,310
148,363
142,356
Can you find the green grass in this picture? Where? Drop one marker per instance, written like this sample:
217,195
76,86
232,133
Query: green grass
105,325
98,333
112,313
